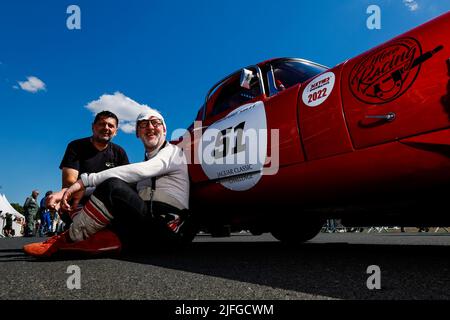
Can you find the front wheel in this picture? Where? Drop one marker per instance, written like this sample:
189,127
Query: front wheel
296,232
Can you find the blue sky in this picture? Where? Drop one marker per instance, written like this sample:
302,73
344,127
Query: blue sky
165,55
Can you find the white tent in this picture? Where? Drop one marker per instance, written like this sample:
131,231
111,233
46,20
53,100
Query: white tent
6,207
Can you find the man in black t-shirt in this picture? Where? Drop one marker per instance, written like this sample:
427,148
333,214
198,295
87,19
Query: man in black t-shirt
88,155
83,156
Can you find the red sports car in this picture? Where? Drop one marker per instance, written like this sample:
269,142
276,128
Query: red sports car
284,144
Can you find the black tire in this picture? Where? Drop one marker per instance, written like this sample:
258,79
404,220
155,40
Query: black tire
293,232
256,231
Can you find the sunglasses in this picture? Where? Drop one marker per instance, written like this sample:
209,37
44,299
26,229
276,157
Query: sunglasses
144,123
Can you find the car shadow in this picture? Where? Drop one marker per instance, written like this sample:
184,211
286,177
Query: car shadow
329,269
336,270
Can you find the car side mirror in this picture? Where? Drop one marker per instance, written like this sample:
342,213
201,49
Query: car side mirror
246,78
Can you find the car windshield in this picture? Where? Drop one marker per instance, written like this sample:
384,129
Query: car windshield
291,72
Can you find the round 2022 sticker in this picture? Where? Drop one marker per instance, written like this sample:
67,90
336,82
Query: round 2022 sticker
318,90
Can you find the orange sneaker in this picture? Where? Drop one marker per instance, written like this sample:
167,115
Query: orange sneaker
46,248
104,241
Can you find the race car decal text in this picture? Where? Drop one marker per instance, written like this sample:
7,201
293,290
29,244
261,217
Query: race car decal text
234,171
389,72
318,90
222,141
317,95
234,149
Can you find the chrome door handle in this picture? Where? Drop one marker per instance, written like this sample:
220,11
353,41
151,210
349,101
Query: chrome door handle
388,117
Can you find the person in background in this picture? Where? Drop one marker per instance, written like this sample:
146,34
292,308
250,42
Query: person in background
44,214
31,209
8,230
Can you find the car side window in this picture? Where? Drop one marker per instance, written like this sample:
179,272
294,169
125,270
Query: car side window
285,78
289,73
232,95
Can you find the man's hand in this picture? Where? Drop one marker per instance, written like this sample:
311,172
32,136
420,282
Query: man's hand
54,200
75,192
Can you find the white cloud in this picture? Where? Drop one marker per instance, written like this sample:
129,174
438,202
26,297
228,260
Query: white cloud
411,4
33,84
126,109
128,127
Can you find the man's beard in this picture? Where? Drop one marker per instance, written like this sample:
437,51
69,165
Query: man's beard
102,139
154,144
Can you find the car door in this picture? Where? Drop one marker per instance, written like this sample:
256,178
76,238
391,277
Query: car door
233,145
398,89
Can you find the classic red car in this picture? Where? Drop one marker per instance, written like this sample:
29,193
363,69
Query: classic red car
282,145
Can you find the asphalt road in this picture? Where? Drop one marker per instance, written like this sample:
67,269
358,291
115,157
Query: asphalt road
331,266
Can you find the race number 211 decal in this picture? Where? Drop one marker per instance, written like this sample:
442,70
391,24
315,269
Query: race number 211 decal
223,141
234,149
